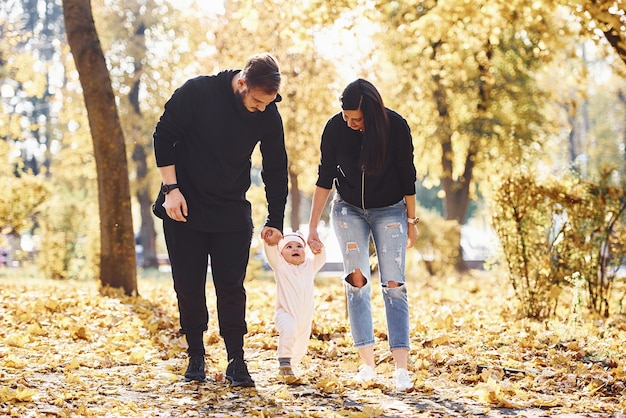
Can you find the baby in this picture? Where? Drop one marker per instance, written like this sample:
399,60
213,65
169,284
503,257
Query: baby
294,270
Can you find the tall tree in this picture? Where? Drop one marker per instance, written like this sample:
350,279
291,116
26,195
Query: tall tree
27,35
466,83
117,244
127,57
465,74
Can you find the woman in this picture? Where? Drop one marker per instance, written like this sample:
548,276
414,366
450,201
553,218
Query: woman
367,152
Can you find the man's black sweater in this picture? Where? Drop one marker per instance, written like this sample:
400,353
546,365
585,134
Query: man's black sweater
207,133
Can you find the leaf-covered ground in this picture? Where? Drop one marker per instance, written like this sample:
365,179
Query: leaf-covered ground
66,350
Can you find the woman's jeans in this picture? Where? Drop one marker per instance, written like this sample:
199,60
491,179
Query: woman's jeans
388,227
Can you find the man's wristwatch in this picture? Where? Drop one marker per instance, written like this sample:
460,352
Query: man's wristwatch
413,221
166,188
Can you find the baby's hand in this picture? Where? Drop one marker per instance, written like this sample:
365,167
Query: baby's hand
316,246
271,235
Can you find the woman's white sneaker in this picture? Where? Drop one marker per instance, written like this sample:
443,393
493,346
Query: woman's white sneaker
366,374
402,380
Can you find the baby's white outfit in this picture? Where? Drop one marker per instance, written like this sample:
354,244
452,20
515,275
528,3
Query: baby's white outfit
294,300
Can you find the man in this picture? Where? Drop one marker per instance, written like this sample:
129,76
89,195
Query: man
203,143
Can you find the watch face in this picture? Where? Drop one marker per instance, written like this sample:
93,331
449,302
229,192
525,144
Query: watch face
166,188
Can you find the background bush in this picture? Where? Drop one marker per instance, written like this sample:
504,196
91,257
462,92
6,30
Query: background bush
557,232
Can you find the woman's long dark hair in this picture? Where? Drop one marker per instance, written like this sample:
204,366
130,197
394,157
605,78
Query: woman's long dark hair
361,94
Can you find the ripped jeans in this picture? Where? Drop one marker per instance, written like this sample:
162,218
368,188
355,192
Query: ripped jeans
388,227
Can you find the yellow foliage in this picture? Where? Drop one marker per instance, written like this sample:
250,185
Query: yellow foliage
558,233
20,200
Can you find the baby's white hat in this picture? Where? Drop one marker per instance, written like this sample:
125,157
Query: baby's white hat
293,236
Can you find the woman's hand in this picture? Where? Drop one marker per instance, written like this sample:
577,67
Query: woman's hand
412,235
315,244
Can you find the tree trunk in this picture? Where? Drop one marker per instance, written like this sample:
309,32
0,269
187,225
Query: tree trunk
295,201
117,251
147,232
456,200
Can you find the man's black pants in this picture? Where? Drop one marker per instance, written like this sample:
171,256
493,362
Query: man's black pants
189,252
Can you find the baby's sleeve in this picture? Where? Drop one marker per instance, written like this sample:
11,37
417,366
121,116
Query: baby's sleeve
319,259
271,253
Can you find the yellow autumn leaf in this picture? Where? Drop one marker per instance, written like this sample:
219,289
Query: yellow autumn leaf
80,333
35,329
291,380
20,395
14,362
545,401
373,412
168,377
71,378
51,304
5,394
419,328
508,403
17,340
360,414
328,384
73,364
443,319
283,394
137,356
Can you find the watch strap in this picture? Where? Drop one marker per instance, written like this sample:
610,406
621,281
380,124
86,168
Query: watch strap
166,188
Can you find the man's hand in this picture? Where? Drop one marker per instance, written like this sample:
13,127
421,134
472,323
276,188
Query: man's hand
176,206
271,235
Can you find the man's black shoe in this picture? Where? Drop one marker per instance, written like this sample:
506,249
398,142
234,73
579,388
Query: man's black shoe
195,369
237,373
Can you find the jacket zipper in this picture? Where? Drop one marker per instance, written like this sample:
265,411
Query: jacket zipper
363,189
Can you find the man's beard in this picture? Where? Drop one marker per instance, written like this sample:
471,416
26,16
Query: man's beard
240,95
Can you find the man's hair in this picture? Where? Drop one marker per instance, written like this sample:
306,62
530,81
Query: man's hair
261,72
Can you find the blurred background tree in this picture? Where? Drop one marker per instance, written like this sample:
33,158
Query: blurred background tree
117,258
